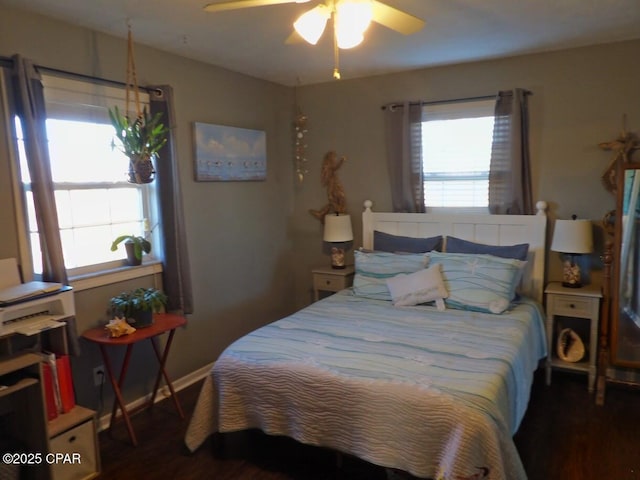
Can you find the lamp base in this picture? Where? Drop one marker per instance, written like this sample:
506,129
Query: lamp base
337,257
571,273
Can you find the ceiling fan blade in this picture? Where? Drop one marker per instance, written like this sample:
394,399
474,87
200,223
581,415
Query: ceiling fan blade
395,19
238,4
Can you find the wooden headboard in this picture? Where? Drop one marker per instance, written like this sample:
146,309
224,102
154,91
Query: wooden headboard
482,228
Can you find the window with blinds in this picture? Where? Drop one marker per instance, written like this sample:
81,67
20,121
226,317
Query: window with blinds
456,152
95,203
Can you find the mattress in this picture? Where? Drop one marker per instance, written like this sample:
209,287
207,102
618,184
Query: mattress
436,394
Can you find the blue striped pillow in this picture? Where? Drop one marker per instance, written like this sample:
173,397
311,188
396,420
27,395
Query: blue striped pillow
478,282
374,268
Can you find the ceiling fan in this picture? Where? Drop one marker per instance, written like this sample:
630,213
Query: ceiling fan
351,18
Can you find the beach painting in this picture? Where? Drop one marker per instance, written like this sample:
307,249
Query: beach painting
227,154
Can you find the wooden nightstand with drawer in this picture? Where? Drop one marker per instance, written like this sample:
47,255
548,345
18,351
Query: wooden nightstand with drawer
571,308
327,279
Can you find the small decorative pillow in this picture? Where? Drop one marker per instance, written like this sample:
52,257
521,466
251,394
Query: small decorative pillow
423,286
457,245
483,283
386,242
374,268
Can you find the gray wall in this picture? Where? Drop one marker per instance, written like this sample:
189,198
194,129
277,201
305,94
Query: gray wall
238,232
579,98
252,245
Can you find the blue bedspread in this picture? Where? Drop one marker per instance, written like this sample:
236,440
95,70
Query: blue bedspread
438,394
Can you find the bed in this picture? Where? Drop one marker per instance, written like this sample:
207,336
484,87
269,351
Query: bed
435,389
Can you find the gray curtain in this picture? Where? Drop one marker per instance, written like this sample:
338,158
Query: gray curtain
509,174
29,102
175,258
403,131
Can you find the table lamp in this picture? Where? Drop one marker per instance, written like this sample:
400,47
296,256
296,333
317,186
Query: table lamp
337,231
572,238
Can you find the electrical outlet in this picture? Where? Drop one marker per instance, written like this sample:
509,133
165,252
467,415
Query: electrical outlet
98,375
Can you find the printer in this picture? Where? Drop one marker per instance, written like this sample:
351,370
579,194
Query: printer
34,307
31,307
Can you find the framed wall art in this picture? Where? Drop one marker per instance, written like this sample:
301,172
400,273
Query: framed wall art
229,154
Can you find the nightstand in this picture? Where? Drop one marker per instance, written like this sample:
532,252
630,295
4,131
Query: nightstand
327,279
578,309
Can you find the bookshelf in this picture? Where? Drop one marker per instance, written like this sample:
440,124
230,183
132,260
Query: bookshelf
24,426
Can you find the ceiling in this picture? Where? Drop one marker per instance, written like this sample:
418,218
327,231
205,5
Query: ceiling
251,41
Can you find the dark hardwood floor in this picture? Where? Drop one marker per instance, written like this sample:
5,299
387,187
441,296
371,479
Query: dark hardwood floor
564,436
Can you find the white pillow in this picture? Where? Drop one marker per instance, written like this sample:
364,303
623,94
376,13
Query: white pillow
422,286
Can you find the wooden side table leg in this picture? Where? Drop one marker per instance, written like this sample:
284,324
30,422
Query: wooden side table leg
162,359
119,402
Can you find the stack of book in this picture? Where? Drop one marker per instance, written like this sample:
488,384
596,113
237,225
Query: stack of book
58,384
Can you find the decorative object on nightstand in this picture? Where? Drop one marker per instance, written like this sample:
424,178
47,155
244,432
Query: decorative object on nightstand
570,347
338,232
572,238
327,279
567,310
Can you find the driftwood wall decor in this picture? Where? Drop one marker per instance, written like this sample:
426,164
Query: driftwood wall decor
622,147
337,202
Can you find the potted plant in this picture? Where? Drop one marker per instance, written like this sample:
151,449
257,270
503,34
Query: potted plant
134,245
140,141
137,306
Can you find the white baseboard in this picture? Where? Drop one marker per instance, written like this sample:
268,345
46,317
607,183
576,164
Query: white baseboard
163,393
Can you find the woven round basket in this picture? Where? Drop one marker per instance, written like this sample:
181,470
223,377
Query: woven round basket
570,347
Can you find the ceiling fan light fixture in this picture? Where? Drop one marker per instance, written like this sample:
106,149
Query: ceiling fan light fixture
353,17
311,24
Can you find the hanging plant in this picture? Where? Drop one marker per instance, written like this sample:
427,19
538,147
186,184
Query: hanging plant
140,140
142,137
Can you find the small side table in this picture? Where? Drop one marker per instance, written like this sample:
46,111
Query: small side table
582,303
327,279
163,322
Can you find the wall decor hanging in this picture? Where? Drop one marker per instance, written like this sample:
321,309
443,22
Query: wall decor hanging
337,201
300,145
229,153
622,147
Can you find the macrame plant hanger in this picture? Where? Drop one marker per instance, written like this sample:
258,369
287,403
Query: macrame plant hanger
132,78
140,168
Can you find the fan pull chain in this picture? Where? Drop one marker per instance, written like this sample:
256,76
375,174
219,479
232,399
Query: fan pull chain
336,50
132,76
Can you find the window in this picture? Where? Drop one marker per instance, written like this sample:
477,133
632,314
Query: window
95,203
456,153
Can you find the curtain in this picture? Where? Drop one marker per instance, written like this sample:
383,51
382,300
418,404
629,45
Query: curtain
403,131
29,101
175,258
509,173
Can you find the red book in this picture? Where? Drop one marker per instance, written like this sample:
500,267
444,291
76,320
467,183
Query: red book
50,399
65,381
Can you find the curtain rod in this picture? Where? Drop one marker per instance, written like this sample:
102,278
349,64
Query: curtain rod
8,62
453,100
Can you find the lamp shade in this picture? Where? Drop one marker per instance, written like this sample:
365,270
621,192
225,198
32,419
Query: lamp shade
337,228
572,236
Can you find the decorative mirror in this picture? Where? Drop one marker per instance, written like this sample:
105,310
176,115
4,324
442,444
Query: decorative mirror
625,325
